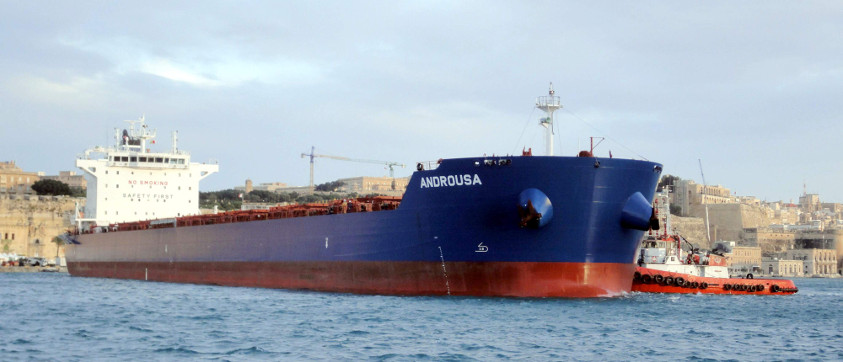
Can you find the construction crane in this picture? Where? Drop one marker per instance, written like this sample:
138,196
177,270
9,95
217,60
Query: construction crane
702,199
313,155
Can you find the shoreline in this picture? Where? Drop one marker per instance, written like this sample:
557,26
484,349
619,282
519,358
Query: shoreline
32,269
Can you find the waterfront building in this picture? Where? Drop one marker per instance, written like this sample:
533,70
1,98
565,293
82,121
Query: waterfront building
782,267
821,262
744,260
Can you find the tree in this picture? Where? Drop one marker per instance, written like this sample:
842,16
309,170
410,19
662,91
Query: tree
59,243
675,209
262,196
51,187
330,186
667,181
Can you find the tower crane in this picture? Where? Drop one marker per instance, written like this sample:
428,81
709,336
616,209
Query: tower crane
313,155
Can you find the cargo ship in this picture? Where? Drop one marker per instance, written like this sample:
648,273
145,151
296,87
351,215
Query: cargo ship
519,226
667,263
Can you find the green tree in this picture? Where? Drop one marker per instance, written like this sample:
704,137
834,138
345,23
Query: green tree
667,181
51,187
263,196
330,186
675,210
78,192
59,243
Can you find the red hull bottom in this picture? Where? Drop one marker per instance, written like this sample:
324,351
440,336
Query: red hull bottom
510,279
658,281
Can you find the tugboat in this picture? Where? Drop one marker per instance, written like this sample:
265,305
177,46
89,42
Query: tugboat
667,263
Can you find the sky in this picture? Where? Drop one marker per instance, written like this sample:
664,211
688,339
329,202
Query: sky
752,90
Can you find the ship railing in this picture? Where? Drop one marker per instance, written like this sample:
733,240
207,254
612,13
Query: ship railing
428,165
344,206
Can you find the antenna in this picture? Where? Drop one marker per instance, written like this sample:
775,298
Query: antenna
548,104
175,141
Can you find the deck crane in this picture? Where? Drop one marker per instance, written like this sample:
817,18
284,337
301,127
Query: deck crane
313,155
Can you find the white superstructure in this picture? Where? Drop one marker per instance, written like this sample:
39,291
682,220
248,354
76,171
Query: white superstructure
127,182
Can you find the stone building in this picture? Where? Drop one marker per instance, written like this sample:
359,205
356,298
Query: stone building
266,186
687,193
744,260
822,262
76,182
378,185
15,180
771,241
782,267
783,213
809,203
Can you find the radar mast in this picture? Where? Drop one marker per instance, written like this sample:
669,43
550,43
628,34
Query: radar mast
548,104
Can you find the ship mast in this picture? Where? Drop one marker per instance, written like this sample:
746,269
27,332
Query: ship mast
548,104
134,139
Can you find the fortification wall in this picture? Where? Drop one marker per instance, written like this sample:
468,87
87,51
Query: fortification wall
692,229
29,223
727,221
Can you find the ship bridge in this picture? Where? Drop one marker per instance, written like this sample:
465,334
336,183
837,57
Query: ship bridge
127,182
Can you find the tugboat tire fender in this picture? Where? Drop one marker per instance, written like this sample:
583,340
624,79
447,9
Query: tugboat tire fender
646,279
727,286
680,281
703,285
774,288
658,278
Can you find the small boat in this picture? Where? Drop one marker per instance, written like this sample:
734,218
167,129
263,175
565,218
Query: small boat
665,267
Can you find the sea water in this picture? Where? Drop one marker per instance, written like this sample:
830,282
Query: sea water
53,316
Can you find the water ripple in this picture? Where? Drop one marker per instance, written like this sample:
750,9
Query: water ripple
105,319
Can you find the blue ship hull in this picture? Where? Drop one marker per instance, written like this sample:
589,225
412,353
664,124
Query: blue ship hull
457,231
